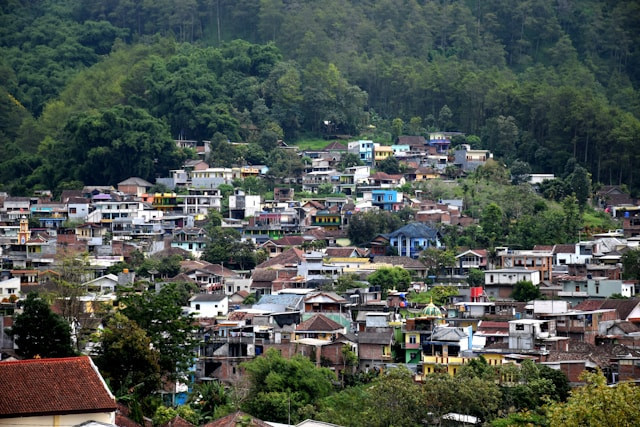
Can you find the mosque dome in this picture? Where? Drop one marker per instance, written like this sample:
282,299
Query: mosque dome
431,310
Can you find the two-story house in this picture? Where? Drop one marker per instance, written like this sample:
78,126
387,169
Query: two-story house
469,159
540,260
499,283
413,238
363,149
471,259
387,199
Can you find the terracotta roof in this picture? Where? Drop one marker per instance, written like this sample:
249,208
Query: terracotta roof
235,419
178,421
335,252
386,176
626,327
322,234
240,315
335,146
564,249
493,324
411,140
328,294
602,355
589,304
242,293
290,256
264,275
315,204
217,269
288,241
548,248
320,323
122,417
52,387
624,307
172,251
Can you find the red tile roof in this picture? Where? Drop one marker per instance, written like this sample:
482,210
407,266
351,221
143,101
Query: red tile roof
177,421
289,241
235,419
340,252
52,387
290,256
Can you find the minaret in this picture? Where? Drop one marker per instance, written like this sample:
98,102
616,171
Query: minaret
23,233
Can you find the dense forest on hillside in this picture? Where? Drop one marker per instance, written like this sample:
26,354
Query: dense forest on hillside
94,92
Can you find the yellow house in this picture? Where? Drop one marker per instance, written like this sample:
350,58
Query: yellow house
382,152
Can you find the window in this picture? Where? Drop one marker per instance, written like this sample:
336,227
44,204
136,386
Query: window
519,327
597,289
197,306
577,288
412,339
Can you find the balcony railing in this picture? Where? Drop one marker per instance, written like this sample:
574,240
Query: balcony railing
442,360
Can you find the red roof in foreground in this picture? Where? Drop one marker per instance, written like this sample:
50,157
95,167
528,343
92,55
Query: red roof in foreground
52,387
235,419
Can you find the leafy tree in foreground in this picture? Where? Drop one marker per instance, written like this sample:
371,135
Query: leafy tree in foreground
364,226
281,387
38,331
631,264
127,359
170,330
390,165
475,277
209,399
390,278
437,260
596,404
524,290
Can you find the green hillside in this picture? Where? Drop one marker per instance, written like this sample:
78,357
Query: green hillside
549,83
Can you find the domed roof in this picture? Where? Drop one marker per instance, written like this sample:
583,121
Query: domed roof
431,310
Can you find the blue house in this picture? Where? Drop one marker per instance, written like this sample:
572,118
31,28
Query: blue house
363,149
388,200
413,238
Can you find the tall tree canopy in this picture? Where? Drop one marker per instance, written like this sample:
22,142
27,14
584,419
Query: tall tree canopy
171,332
280,388
38,331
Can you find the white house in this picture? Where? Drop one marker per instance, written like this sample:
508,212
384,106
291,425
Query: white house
209,305
511,276
103,284
9,287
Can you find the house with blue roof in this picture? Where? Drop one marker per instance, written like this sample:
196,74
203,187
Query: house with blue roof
413,238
